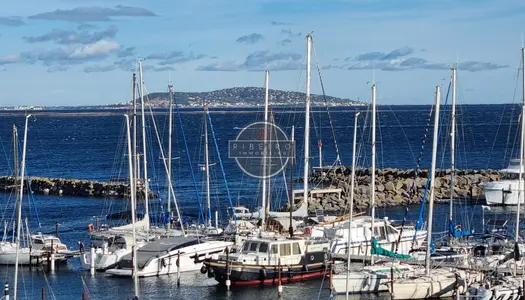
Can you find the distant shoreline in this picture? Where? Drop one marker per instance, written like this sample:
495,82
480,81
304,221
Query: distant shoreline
107,111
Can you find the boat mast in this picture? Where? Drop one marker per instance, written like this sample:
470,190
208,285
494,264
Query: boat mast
207,165
170,130
16,167
135,158
373,185
352,182
453,144
432,178
19,212
307,117
133,208
265,162
292,200
522,146
146,187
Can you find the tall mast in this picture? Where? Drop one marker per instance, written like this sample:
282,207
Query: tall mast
207,165
265,162
373,186
307,117
15,158
133,208
292,200
432,178
170,130
453,144
135,158
145,160
19,212
352,182
522,148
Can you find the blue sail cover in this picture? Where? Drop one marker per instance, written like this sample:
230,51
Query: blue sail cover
455,232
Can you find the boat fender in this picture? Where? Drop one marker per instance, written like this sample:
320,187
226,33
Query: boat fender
262,274
368,280
204,269
308,230
90,227
163,263
210,272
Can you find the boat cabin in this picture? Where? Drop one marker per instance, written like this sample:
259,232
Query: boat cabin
110,241
47,242
512,172
263,251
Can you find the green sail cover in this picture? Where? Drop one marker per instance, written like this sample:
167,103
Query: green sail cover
376,249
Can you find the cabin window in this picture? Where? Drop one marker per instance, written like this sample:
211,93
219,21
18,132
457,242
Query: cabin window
38,242
246,246
285,249
296,248
253,247
510,176
275,249
263,248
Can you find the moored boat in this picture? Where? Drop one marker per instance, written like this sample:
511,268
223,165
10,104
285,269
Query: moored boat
262,260
169,256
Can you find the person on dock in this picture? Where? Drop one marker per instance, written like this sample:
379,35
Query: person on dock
81,246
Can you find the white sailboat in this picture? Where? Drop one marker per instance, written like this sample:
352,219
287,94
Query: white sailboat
111,245
363,228
507,190
426,282
12,252
510,287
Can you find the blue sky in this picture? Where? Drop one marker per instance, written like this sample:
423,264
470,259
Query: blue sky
73,52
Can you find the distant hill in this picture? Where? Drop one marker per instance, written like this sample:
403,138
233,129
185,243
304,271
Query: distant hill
232,97
245,97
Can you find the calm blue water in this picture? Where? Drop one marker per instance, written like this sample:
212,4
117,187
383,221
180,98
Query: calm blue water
93,147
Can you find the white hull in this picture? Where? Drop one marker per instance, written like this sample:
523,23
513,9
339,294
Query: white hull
8,255
103,261
503,192
387,237
191,259
504,291
439,284
361,283
371,279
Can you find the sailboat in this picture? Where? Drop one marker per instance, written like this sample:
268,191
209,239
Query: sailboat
262,260
11,252
36,245
364,228
111,245
509,287
426,282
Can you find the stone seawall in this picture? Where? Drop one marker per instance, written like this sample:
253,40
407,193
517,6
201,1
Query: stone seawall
396,187
72,187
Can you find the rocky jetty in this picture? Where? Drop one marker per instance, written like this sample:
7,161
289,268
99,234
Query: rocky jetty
72,187
396,187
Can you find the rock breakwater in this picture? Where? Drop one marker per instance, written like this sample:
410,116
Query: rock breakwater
396,187
72,187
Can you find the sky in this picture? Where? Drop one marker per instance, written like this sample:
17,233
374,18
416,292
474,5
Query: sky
73,52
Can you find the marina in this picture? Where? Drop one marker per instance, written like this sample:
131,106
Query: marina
256,192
